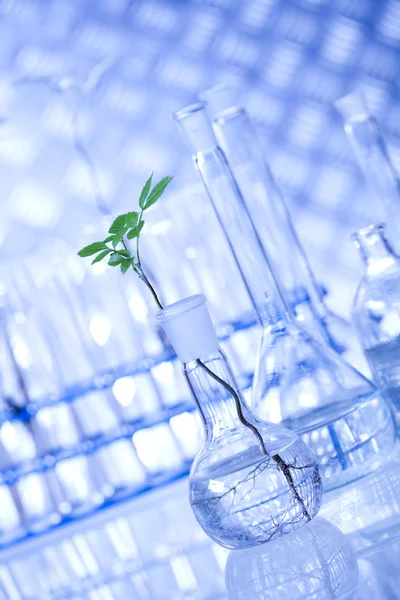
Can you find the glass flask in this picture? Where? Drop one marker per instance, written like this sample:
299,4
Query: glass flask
376,309
371,152
315,562
377,498
251,481
297,381
264,200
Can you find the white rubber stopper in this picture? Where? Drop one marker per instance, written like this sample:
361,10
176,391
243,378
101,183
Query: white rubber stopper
189,328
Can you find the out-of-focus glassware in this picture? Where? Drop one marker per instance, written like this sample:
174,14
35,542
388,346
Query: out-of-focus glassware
35,503
272,221
298,381
66,321
74,485
315,562
122,469
376,309
56,430
373,157
251,481
376,500
11,523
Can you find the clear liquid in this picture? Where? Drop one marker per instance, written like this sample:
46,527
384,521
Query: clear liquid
254,502
350,438
384,360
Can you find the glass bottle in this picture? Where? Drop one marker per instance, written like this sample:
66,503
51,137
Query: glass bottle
297,381
251,481
264,200
376,309
371,152
315,562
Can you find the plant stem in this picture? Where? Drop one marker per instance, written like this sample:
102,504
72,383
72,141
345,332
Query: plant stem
238,405
143,277
137,248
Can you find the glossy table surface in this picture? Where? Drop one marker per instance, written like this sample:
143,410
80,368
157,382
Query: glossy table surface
350,550
151,548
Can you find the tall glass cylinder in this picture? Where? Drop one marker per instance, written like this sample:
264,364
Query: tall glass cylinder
371,152
254,265
263,198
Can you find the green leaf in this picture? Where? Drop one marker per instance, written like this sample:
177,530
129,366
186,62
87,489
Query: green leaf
132,219
115,259
117,238
145,192
109,239
118,224
124,253
126,264
133,233
92,249
156,192
100,256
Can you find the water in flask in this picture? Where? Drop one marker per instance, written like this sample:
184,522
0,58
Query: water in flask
230,499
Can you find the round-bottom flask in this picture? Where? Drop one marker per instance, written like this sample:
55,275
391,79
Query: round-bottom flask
242,498
252,481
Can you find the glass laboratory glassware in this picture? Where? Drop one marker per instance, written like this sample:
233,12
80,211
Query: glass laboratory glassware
298,381
371,152
377,498
74,485
315,562
251,481
264,200
376,309
34,501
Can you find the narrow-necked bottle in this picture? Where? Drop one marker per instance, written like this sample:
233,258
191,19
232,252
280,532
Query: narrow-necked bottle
298,381
376,309
251,481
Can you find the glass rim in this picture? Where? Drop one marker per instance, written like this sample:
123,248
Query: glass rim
229,108
366,231
180,307
186,111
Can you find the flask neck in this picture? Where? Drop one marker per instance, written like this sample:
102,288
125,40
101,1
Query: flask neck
374,160
375,250
215,403
373,157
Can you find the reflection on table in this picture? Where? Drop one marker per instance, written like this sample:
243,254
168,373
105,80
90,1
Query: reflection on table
350,551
